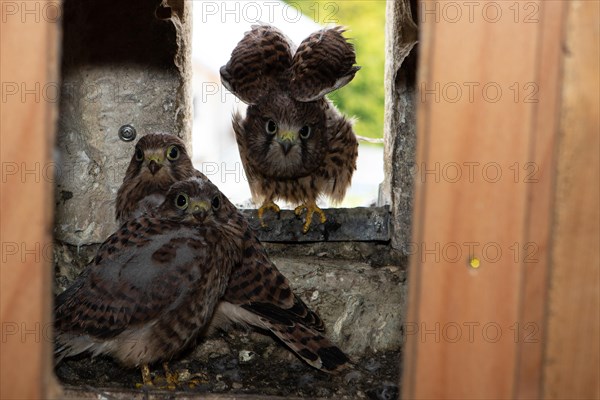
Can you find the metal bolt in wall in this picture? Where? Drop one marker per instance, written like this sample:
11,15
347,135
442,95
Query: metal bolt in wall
127,133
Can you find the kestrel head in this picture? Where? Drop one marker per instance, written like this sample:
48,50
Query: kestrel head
160,157
158,161
287,138
197,200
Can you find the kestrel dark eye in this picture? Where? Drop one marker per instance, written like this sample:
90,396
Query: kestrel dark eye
216,202
181,201
139,154
271,127
305,132
173,153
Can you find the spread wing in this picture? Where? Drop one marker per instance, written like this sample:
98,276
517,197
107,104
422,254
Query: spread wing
259,64
323,63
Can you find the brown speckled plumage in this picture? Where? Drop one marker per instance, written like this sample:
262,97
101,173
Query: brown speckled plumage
256,293
154,284
294,144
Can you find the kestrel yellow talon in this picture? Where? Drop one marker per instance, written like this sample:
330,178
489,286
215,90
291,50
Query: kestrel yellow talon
310,210
172,378
197,379
266,206
146,378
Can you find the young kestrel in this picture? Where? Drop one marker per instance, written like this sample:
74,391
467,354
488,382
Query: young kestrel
154,284
257,294
294,143
159,160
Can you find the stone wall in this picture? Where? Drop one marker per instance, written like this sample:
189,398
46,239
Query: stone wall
400,117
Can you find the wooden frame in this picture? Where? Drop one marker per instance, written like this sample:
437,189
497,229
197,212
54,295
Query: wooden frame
571,359
29,79
480,321
546,309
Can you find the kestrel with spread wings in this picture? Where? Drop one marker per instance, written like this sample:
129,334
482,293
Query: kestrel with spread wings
294,143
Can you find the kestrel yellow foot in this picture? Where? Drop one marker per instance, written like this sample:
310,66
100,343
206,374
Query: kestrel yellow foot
146,378
172,378
267,205
311,208
183,377
193,380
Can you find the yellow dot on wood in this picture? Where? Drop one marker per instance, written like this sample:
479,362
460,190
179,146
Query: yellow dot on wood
474,262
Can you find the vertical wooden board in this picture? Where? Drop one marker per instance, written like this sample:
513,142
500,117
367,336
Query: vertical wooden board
473,197
572,367
539,175
28,73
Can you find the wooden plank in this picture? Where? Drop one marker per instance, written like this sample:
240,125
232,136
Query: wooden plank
572,367
28,75
535,253
481,147
360,224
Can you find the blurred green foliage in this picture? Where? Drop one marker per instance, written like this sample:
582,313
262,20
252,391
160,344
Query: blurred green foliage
362,98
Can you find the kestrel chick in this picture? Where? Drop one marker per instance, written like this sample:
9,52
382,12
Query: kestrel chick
154,284
294,144
257,293
158,161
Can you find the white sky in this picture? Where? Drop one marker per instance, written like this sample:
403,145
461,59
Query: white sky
219,25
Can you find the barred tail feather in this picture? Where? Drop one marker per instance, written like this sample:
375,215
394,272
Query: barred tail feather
314,348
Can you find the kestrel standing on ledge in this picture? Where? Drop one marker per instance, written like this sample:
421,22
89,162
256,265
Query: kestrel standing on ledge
294,144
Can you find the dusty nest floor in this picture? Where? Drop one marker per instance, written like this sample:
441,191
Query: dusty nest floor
236,365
